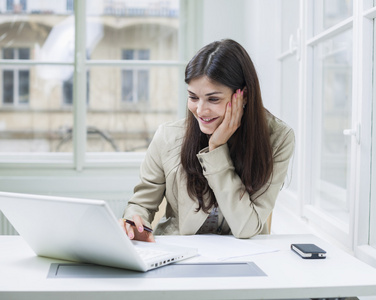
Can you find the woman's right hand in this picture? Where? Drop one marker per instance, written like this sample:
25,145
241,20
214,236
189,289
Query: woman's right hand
136,232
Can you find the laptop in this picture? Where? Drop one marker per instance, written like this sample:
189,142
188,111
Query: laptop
83,230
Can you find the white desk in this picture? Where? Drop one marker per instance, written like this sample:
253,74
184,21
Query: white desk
24,276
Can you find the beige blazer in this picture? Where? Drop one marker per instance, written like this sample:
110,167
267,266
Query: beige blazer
162,176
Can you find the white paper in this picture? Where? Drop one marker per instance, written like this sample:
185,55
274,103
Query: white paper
225,247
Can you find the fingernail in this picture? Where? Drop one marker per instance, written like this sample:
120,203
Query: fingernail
140,228
131,236
229,104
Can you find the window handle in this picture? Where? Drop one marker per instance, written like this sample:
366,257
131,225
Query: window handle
294,44
353,132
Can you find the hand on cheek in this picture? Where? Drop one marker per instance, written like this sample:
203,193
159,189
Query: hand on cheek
230,123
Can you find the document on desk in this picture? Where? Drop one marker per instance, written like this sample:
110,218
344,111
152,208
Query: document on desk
226,247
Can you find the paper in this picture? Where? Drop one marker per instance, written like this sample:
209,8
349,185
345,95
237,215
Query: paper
227,247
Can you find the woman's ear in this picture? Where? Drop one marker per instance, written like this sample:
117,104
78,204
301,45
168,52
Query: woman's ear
245,92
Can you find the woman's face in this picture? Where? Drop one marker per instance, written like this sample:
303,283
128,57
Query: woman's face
207,101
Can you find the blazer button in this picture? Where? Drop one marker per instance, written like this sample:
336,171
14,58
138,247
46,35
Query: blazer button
201,160
204,168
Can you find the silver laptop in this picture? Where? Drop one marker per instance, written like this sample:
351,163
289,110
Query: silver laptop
84,231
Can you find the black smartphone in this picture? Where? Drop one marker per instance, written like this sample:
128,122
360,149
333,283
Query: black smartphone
308,251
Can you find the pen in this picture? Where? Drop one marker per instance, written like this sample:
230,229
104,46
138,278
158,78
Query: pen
133,224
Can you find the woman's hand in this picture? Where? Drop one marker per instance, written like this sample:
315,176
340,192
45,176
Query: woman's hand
137,232
230,123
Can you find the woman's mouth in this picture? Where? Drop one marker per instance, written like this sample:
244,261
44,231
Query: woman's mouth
207,120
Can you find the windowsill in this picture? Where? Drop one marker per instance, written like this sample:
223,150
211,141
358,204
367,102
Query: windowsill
285,221
65,160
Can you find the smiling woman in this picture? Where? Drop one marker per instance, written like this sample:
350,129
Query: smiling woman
222,167
208,102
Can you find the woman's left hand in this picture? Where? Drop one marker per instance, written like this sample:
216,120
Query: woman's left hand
230,123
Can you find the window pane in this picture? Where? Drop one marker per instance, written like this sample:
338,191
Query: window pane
23,87
328,13
68,91
289,109
46,31
144,54
127,86
290,22
332,114
8,53
43,125
129,126
23,53
128,54
143,86
8,87
129,24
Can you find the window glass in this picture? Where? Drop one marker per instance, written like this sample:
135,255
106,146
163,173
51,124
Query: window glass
328,13
43,123
331,115
129,24
290,22
127,103
290,108
8,87
32,115
119,125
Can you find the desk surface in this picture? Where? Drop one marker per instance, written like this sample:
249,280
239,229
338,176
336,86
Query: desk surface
24,276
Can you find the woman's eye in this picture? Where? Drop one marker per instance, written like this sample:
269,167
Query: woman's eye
193,98
213,99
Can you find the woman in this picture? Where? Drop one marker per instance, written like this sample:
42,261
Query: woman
221,168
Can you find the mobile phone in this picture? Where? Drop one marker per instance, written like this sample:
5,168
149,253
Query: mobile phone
308,251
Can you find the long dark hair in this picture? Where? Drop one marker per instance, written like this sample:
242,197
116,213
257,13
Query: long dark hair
227,62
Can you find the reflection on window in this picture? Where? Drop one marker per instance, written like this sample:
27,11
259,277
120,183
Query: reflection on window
135,81
332,114
16,80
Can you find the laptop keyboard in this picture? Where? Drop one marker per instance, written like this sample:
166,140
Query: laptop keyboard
147,254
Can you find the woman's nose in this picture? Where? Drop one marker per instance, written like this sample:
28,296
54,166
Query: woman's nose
201,107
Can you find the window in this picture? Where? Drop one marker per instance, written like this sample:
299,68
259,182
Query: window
16,81
336,138
135,82
116,103
331,115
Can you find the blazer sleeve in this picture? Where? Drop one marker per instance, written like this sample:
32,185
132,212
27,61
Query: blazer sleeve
245,218
149,193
